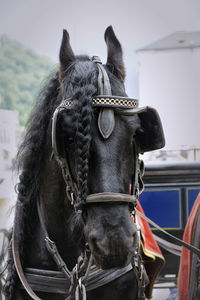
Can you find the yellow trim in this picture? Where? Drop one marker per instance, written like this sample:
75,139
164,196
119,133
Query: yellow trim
168,228
180,206
154,256
150,253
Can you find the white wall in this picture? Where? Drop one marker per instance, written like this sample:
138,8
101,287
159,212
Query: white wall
8,148
169,80
8,137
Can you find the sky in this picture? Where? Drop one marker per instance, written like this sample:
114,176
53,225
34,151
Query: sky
38,25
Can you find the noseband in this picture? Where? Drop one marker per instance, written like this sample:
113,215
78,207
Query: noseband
106,124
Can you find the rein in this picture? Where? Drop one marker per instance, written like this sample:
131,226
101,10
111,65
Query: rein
177,240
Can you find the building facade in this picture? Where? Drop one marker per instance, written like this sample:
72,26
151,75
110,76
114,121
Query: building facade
169,80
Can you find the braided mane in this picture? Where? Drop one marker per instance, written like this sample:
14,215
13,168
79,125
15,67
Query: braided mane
81,88
81,85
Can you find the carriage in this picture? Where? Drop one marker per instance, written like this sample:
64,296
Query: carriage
170,192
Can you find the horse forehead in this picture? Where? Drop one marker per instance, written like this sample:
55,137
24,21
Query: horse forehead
84,67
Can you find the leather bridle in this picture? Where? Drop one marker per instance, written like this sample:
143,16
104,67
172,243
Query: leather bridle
107,104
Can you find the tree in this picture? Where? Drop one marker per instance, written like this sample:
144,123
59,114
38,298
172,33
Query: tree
21,74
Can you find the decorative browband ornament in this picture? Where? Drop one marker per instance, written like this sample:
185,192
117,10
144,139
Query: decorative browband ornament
108,101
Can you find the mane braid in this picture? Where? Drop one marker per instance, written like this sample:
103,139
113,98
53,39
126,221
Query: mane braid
29,164
83,87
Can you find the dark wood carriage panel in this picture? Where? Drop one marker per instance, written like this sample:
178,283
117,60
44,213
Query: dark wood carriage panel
170,191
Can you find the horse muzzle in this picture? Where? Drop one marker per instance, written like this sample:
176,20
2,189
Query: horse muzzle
110,231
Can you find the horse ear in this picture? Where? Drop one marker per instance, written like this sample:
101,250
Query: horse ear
66,53
115,56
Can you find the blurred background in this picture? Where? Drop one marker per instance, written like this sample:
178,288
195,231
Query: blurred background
161,44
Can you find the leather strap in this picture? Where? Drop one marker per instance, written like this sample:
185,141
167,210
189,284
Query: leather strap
16,256
170,247
115,102
55,282
106,119
111,197
179,241
50,245
126,104
71,187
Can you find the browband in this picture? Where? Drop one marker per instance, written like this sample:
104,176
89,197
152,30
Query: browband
107,101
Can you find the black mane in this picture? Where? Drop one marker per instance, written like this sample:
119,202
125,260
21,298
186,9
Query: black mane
31,151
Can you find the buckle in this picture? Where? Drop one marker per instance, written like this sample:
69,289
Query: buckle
96,59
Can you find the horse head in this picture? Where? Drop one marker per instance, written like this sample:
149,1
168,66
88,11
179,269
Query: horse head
98,140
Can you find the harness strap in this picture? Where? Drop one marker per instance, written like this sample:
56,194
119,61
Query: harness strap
101,277
56,282
141,275
179,241
51,246
170,247
16,256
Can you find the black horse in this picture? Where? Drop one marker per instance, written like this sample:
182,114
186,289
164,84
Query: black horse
75,202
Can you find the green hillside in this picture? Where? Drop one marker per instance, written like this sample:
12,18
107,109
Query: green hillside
21,76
